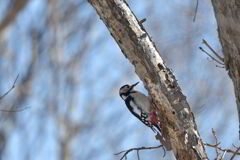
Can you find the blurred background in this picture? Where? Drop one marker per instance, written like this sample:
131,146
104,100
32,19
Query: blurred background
70,70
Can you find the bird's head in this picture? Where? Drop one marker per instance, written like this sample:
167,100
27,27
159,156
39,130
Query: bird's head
125,90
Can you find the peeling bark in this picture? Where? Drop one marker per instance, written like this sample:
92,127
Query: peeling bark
227,13
177,120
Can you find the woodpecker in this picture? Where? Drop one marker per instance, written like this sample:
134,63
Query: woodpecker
140,106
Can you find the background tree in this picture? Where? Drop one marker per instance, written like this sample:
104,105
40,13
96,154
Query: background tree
228,19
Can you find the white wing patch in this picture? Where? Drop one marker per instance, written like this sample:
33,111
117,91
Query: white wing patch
135,108
142,102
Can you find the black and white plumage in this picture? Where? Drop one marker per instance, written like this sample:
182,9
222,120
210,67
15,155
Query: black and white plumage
139,105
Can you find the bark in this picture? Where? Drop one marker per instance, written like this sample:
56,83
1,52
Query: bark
178,125
227,13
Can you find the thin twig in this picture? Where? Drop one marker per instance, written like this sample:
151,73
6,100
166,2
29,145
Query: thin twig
195,13
217,148
233,156
6,93
216,142
220,66
221,149
138,155
137,149
13,86
214,59
210,60
142,21
224,153
235,146
15,110
214,52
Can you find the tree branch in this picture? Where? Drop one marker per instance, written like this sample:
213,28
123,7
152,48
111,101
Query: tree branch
214,59
222,149
195,12
213,51
6,93
14,110
139,149
13,86
177,122
233,156
217,148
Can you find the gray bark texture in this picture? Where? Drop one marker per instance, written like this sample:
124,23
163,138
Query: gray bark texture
227,13
179,130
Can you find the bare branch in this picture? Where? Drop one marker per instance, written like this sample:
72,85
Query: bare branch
216,142
6,93
13,86
142,21
138,149
214,52
220,66
233,156
217,148
214,59
138,155
158,79
223,155
221,149
195,13
14,110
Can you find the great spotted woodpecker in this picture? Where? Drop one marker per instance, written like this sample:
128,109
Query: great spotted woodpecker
140,106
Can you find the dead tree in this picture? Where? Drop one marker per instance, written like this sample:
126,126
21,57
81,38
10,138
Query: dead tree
179,130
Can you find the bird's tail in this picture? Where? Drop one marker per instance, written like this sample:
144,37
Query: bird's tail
156,129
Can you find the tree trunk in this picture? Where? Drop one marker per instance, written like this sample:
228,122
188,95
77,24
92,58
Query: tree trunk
227,13
178,125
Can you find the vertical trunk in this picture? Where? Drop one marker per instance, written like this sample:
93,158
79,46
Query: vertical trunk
227,13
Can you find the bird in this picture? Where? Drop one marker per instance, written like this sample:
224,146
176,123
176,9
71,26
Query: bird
140,106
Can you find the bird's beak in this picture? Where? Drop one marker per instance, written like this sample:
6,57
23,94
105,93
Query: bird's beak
132,86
